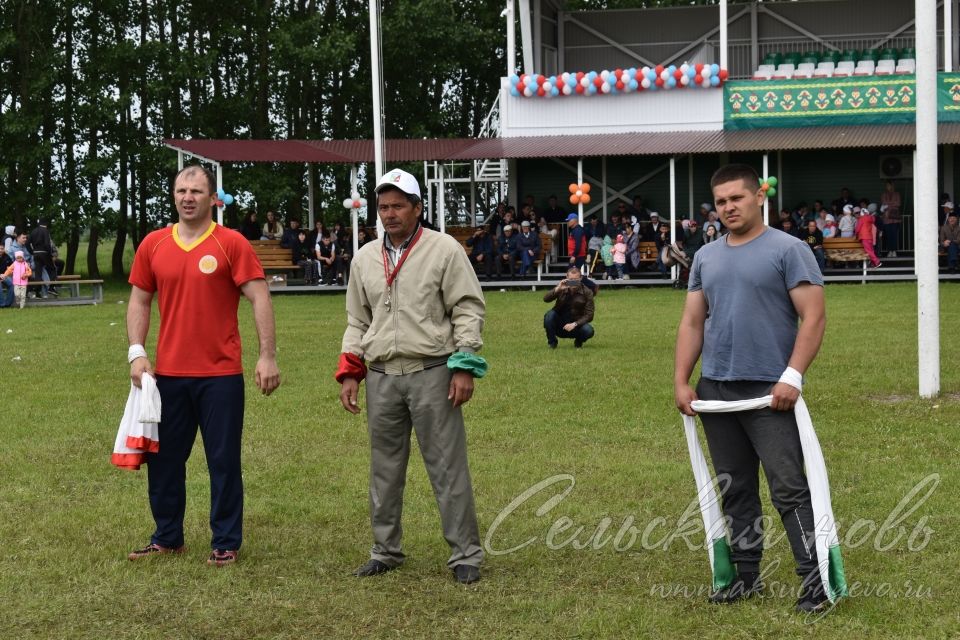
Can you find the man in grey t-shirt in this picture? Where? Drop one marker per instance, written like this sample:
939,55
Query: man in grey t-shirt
746,294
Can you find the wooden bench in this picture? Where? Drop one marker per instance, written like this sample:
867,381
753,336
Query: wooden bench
69,293
276,261
846,250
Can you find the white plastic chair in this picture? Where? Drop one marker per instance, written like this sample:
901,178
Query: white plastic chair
785,71
864,68
907,65
885,67
824,69
764,72
844,68
804,70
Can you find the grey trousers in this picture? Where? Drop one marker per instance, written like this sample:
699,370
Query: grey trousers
395,404
739,443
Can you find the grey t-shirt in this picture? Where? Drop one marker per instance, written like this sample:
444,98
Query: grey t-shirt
751,323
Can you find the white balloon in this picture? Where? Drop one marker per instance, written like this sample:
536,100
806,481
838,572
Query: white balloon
605,75
547,87
705,82
348,203
664,75
355,195
645,83
528,92
684,67
363,202
684,79
567,90
605,87
584,81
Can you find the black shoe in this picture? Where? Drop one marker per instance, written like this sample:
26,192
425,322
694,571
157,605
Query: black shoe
813,600
745,586
372,568
466,574
577,344
552,345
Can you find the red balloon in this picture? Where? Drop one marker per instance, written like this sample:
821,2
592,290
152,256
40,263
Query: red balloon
580,75
659,69
724,74
541,92
620,85
698,67
598,82
523,77
640,76
698,78
579,88
678,74
618,72
541,80
659,82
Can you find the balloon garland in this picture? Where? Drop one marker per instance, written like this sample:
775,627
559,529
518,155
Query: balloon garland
769,186
588,83
579,193
223,199
354,201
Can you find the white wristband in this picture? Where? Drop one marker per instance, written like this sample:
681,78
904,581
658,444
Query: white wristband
793,378
135,351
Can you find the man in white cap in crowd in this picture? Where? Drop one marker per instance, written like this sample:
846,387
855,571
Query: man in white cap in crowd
415,312
945,210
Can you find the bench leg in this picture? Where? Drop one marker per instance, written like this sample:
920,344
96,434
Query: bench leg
864,280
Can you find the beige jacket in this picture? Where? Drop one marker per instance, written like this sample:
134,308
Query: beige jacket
436,305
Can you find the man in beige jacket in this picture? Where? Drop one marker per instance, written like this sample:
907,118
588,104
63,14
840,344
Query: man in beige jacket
414,313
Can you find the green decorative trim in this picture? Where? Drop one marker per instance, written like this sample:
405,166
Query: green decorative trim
838,581
470,362
723,571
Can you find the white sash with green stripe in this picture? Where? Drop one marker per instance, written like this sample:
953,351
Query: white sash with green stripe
718,548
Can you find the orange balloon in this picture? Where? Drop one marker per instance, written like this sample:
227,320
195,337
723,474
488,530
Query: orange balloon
585,187
585,198
572,187
574,199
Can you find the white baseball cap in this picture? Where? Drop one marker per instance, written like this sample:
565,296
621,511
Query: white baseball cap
399,179
947,205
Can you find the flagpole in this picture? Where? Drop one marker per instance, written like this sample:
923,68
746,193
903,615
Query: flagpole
377,82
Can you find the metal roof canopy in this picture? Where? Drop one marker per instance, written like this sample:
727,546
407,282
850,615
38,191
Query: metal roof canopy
578,146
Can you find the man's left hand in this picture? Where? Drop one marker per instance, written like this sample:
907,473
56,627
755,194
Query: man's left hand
784,397
267,375
461,388
570,326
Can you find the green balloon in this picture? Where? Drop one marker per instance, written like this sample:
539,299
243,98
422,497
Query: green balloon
772,191
772,181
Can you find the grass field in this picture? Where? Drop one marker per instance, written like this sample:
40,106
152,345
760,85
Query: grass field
603,415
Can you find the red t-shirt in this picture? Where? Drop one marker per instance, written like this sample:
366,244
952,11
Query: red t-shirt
198,293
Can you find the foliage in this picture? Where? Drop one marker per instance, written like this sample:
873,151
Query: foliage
89,91
603,414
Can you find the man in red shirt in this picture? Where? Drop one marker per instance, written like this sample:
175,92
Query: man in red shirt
198,269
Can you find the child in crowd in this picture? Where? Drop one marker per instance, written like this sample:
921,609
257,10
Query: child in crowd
21,272
847,222
606,253
619,256
866,231
830,229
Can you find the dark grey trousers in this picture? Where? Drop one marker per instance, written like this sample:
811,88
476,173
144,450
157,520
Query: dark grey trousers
739,442
395,404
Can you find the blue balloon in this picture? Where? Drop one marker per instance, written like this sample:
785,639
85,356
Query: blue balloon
672,68
554,91
514,92
591,88
572,80
633,85
514,79
671,82
593,76
692,71
715,81
227,199
651,75
220,194
714,69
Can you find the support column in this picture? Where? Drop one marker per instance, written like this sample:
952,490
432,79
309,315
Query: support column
948,169
723,34
779,181
580,181
766,201
925,202
376,81
511,39
473,195
603,187
948,35
354,213
675,269
219,186
310,197
179,160
441,204
754,46
690,204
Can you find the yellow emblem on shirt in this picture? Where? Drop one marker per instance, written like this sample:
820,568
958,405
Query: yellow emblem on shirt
208,264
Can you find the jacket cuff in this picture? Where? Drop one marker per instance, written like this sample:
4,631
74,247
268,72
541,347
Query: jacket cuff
470,362
350,366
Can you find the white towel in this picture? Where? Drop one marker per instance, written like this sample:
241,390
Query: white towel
827,541
139,431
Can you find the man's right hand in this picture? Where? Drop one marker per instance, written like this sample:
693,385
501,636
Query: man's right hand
684,395
348,395
139,367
